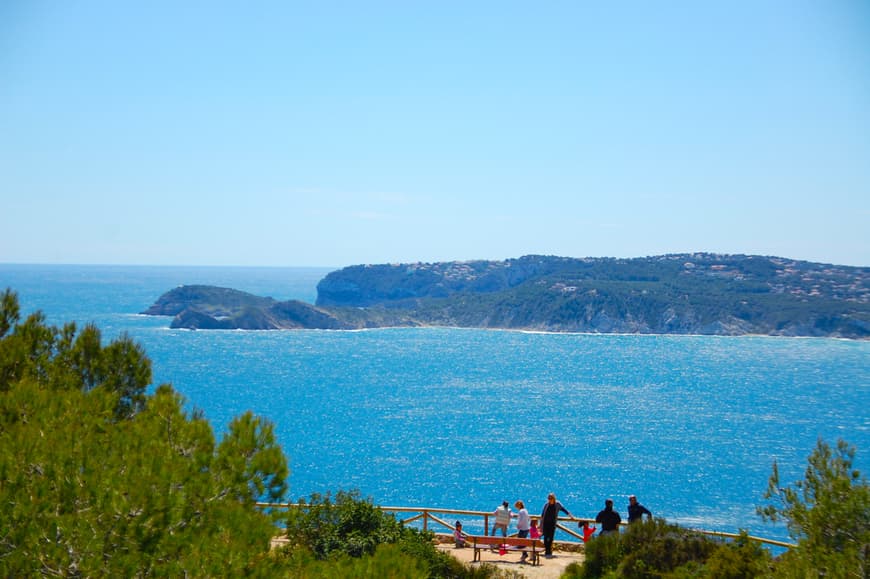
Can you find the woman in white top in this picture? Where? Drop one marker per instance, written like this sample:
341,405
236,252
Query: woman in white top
524,521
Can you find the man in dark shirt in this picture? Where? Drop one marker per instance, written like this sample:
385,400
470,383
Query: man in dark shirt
608,518
636,511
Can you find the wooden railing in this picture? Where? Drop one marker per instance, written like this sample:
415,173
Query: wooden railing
429,517
426,515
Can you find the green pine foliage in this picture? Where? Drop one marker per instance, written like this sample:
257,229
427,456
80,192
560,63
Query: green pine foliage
827,513
98,478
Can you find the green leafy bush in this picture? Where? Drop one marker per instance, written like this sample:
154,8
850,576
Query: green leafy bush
388,562
658,546
739,559
330,529
646,549
344,524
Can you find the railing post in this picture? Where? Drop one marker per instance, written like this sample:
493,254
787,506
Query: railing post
485,525
425,520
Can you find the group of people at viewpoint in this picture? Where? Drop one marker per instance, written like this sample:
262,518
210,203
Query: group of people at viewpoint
608,518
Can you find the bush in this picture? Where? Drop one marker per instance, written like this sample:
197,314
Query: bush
658,549
388,561
343,525
348,536
337,529
656,546
603,554
739,559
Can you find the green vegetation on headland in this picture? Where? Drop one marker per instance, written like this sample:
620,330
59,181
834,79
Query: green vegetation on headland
707,294
99,478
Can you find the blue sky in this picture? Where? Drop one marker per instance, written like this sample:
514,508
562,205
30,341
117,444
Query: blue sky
338,133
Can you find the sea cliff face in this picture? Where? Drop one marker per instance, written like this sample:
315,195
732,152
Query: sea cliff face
200,307
673,294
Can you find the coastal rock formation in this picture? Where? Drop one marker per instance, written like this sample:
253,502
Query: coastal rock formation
701,293
200,307
215,301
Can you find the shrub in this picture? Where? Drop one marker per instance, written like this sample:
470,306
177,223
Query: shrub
341,525
657,546
388,562
658,549
344,527
739,559
828,513
603,554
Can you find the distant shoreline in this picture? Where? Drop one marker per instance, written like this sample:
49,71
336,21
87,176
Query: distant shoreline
687,294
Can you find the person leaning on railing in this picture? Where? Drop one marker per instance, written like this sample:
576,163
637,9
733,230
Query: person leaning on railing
636,511
524,521
608,518
502,519
549,515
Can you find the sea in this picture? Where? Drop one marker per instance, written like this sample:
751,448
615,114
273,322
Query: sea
465,418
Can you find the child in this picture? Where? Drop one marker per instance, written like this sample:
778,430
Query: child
459,536
587,530
534,531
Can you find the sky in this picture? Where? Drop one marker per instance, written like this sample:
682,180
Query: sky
325,133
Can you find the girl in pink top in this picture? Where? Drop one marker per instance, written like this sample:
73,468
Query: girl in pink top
534,531
458,536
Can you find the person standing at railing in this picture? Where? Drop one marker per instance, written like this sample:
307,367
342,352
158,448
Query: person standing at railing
502,519
549,516
608,518
524,523
636,511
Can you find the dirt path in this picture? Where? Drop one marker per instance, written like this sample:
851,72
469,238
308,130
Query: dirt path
550,568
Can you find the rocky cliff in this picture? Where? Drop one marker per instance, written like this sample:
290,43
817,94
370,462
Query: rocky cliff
672,294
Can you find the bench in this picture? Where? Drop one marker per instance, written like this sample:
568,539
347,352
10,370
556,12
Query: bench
509,544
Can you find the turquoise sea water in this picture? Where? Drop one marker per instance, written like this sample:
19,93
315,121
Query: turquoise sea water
453,418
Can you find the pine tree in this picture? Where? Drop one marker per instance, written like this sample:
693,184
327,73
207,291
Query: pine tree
827,513
99,478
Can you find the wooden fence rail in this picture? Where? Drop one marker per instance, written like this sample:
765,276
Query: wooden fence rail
436,516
